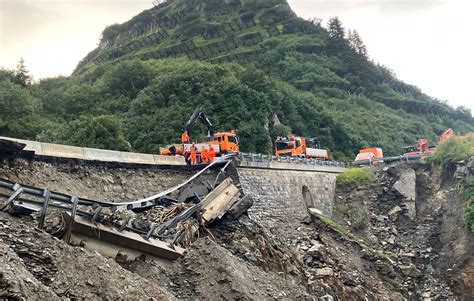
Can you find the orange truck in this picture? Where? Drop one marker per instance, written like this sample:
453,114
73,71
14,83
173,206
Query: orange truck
221,142
293,146
446,135
373,154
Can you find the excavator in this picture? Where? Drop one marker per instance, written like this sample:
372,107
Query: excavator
221,142
423,146
293,146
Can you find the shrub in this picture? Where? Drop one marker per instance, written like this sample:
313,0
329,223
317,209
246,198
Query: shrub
469,210
451,151
454,149
354,176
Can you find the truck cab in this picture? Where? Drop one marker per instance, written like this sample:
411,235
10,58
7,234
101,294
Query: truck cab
373,155
290,146
227,141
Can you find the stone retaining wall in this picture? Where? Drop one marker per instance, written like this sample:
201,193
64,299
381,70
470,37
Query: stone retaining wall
281,196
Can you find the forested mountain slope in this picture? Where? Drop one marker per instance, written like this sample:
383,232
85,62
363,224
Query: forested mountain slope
253,64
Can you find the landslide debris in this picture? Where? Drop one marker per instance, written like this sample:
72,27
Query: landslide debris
391,239
34,265
209,271
410,211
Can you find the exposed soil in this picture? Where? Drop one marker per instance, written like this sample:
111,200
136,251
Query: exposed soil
376,251
99,181
433,250
35,265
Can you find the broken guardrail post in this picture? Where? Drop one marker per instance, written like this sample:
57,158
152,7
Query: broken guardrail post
152,229
47,197
18,190
96,213
67,236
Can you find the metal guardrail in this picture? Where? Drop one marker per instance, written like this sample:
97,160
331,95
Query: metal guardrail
39,200
375,161
295,160
251,157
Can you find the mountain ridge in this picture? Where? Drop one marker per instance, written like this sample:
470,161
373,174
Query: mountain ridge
245,61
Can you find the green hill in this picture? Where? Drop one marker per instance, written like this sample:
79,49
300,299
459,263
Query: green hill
253,64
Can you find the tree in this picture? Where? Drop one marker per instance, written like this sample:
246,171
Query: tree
105,131
336,43
18,116
336,31
356,43
6,74
22,75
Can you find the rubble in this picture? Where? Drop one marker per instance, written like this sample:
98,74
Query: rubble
378,250
209,271
408,215
35,265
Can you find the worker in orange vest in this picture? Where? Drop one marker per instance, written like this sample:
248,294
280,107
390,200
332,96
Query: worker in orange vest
185,137
204,155
193,154
211,154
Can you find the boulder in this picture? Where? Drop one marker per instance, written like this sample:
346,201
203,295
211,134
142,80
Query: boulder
395,211
314,250
406,184
410,271
324,272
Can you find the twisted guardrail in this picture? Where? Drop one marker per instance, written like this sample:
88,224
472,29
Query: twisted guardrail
70,203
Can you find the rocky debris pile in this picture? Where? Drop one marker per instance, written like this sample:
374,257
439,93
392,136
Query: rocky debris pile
35,265
340,264
316,256
403,210
209,271
464,169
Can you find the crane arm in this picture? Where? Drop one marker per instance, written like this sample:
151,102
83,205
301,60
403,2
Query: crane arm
199,115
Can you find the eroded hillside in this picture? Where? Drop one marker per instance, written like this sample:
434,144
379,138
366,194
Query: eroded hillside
400,237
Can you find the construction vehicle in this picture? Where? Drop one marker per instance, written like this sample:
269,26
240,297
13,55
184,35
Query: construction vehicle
221,142
446,135
373,155
293,146
423,146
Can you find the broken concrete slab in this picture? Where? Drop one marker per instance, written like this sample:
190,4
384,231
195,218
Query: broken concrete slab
406,184
110,242
218,202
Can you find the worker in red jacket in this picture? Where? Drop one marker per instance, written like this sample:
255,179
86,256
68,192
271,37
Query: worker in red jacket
204,155
192,154
185,137
211,154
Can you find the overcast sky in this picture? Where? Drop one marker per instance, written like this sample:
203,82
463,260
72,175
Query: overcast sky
427,43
